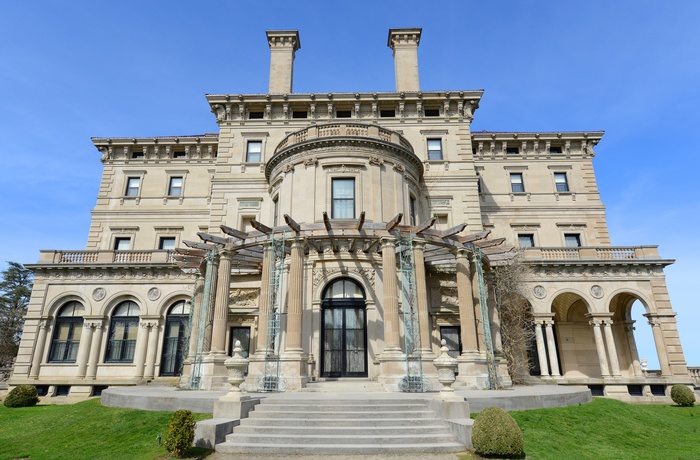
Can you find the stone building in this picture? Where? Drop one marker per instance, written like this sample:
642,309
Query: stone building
343,235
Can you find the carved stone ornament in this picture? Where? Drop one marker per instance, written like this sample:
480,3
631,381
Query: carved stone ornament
539,291
99,294
398,167
310,162
288,168
596,291
244,297
320,274
376,161
153,293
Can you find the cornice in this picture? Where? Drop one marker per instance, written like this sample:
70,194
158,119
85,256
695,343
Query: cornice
346,97
536,135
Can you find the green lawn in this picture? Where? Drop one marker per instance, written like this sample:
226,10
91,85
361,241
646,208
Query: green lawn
609,429
85,430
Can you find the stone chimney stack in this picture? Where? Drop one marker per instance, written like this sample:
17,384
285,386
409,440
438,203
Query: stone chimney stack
405,42
283,46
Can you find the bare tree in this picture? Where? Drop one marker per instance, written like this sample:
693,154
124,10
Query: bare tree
517,331
15,290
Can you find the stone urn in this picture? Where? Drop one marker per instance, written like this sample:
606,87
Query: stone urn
236,366
446,366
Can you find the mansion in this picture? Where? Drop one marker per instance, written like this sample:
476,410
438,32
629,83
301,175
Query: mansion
343,236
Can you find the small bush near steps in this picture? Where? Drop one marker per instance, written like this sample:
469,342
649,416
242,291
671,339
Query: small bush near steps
22,396
180,433
682,395
497,435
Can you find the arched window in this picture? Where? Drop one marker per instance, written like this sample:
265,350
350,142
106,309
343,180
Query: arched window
343,288
123,330
176,337
66,334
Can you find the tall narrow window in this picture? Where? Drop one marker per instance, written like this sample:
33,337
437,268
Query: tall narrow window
123,330
412,209
561,183
516,183
122,243
66,334
175,340
572,240
175,186
343,199
253,152
434,149
166,243
526,240
132,186
275,210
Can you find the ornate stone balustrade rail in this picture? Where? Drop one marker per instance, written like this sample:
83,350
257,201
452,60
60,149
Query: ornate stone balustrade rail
103,257
695,374
593,253
344,130
5,373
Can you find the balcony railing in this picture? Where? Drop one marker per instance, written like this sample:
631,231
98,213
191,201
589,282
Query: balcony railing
593,253
695,374
344,130
109,257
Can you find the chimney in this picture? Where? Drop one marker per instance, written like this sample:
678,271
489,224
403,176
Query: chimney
405,42
283,46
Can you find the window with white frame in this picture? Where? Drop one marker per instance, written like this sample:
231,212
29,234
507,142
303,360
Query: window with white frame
166,243
516,183
572,240
122,243
343,198
560,182
526,240
253,152
175,186
434,149
132,186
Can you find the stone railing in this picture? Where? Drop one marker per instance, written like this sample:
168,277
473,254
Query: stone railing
592,253
695,374
344,130
5,374
106,257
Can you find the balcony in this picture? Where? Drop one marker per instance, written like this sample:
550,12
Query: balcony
611,253
105,257
343,130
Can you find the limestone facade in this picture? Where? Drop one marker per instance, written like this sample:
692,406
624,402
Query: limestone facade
330,173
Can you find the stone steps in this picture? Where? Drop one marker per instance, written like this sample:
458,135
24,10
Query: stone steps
350,426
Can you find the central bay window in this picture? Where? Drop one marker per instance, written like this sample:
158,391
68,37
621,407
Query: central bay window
123,330
66,334
343,199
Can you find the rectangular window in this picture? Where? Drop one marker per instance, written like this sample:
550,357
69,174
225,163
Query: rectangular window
512,150
255,115
175,187
275,211
516,183
561,182
441,221
387,113
299,114
572,240
434,149
132,186
179,154
526,240
166,243
253,152
343,199
122,243
343,114
137,154
556,149
412,209
432,112
450,334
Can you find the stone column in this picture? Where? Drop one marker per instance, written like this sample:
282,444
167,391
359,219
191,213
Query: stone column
467,321
140,353
152,351
477,307
600,348
494,318
95,350
634,354
211,304
43,327
541,350
391,303
552,348
660,345
422,297
84,348
223,288
295,300
261,343
197,309
612,350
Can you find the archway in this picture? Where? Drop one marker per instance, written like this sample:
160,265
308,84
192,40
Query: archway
575,343
175,341
634,337
344,330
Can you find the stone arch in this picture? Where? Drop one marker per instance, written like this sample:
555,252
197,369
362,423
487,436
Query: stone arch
323,277
65,297
111,303
574,337
620,304
167,301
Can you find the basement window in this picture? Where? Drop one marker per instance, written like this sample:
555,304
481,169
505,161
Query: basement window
635,390
62,390
658,390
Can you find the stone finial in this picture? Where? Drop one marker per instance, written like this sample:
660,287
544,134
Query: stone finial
283,46
404,43
446,366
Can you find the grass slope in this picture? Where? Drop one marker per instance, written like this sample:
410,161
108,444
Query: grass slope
86,430
609,429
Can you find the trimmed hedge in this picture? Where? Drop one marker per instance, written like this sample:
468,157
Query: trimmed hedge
180,432
682,395
22,396
497,435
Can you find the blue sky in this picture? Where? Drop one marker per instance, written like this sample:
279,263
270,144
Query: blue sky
74,70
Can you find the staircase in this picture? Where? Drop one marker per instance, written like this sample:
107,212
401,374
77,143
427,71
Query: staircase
350,426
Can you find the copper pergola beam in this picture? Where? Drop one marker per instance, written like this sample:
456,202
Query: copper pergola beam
191,252
213,238
233,232
474,237
197,245
327,222
361,222
394,222
489,243
292,224
453,231
260,227
425,225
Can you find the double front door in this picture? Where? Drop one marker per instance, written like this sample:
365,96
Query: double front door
344,339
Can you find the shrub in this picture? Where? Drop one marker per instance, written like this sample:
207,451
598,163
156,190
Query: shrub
180,432
682,395
497,435
22,396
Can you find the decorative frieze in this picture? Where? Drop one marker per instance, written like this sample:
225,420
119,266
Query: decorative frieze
321,274
244,297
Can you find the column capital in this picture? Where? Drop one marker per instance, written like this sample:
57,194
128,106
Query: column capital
387,240
419,245
595,322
